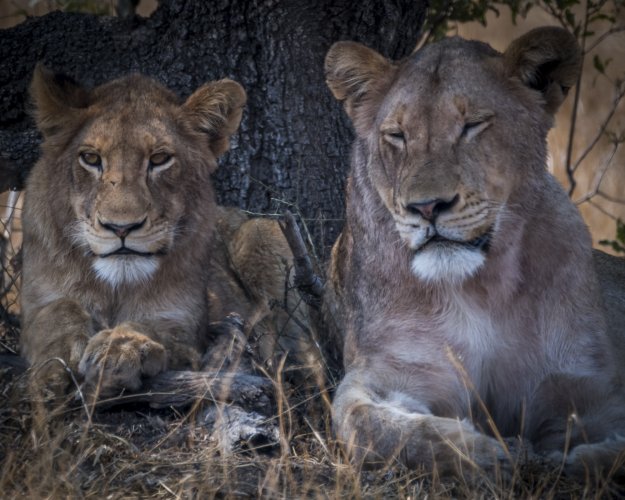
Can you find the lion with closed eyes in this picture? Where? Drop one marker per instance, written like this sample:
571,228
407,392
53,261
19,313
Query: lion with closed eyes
463,282
127,259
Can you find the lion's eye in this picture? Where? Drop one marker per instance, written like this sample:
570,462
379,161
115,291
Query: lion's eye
474,126
470,125
90,160
395,137
160,161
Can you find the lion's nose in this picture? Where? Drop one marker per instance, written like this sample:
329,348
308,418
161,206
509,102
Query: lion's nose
122,230
430,209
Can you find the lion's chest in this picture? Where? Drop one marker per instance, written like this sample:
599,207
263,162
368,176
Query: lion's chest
156,305
487,358
460,353
469,329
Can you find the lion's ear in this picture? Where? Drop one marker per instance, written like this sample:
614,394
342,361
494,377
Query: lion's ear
547,60
215,109
57,98
357,76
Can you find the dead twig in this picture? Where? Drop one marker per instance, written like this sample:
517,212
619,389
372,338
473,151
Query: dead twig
598,179
617,99
603,36
182,388
568,164
307,282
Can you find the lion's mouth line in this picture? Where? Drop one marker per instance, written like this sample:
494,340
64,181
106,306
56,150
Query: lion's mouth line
124,250
482,242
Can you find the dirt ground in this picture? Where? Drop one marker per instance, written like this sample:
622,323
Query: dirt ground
134,451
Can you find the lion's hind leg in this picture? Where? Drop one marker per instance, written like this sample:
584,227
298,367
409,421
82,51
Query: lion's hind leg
263,261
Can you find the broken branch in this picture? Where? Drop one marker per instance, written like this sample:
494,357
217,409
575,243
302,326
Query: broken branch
306,281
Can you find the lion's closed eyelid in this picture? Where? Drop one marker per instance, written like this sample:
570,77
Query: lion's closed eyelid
478,116
160,158
475,123
393,134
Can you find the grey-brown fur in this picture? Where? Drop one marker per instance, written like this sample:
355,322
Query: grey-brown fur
114,325
509,338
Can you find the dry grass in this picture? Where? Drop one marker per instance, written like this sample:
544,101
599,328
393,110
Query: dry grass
141,452
72,451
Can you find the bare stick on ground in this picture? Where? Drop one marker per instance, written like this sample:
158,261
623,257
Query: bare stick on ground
182,388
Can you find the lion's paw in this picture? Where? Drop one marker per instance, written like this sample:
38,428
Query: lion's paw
116,360
51,382
604,459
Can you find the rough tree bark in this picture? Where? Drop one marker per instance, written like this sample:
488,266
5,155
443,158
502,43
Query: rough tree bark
294,139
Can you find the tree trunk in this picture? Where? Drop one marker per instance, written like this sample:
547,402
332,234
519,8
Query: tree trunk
293,146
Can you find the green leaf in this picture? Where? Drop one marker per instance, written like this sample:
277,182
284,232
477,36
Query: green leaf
602,17
617,245
620,231
598,64
612,244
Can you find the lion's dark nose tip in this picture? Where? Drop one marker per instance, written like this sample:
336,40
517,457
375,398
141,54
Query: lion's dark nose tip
122,230
430,209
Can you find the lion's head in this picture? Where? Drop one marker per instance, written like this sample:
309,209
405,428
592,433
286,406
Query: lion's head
446,153
134,161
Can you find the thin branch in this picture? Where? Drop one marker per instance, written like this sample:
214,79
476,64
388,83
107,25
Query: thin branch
599,175
182,388
305,280
303,220
553,12
601,209
604,125
605,35
570,172
610,198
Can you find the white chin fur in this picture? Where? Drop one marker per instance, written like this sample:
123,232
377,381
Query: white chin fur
119,270
446,264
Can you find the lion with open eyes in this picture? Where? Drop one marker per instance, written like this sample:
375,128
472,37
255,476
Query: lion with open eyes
127,259
463,282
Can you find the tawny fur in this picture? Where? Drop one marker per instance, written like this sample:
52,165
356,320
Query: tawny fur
494,328
117,318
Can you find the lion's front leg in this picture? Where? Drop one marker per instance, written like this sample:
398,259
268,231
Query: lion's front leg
53,341
118,359
378,431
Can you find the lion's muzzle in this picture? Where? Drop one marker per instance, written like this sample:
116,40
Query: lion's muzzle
126,250
450,237
122,230
430,209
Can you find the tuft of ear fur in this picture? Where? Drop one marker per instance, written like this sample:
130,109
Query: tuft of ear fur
356,74
547,60
215,109
57,98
